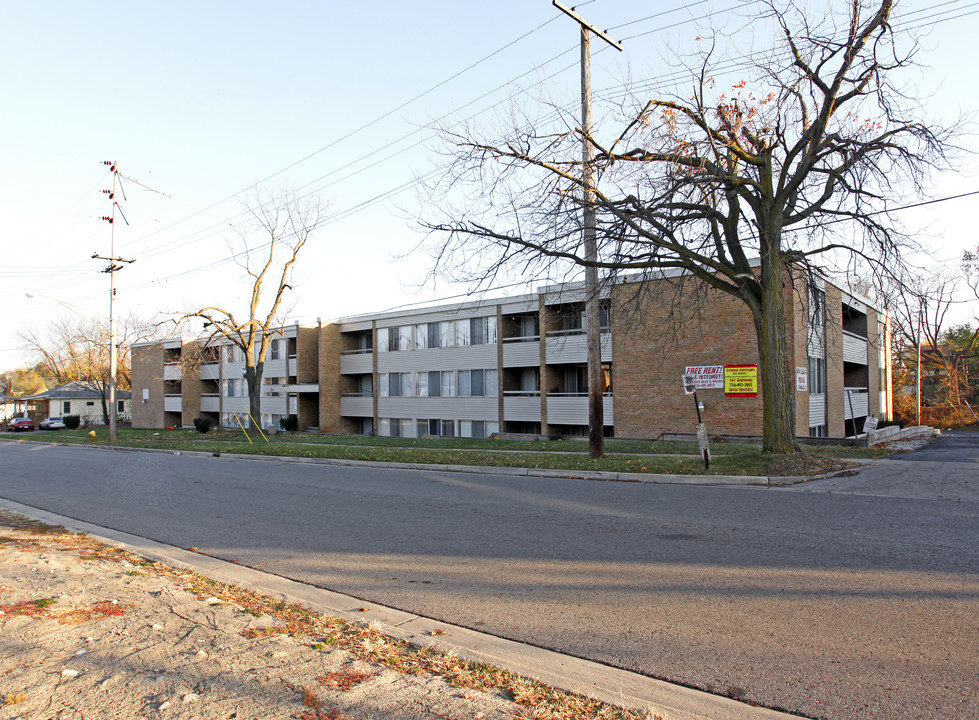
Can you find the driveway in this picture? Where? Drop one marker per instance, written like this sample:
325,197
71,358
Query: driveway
946,468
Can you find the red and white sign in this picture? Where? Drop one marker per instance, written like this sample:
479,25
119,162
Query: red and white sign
802,379
706,377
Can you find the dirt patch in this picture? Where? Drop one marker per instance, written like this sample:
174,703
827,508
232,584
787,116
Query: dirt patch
90,631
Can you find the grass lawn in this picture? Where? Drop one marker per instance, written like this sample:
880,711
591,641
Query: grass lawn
622,455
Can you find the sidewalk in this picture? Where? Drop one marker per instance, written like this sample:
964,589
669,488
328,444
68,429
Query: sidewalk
137,629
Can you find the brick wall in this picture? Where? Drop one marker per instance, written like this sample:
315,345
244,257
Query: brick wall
190,382
835,397
653,347
147,369
329,378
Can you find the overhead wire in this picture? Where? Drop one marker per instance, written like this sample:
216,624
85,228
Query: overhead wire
400,188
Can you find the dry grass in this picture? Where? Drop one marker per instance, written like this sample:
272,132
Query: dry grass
365,642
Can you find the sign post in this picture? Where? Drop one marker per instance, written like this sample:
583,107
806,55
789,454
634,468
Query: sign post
690,388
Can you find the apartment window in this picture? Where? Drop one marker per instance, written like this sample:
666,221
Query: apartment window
817,308
421,386
274,352
434,383
384,427
448,428
448,384
434,339
465,383
463,332
490,383
817,376
66,407
230,388
446,333
421,336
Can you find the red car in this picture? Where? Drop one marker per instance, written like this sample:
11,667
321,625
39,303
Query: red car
21,423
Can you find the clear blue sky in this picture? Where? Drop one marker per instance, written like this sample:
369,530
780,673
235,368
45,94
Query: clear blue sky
200,101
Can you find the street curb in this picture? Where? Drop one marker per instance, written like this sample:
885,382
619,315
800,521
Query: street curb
651,478
602,682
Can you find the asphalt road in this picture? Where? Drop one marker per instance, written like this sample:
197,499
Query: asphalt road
820,602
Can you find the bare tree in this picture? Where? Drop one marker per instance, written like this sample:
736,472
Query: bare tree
742,188
269,243
76,348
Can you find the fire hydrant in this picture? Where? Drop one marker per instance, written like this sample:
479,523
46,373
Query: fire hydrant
91,434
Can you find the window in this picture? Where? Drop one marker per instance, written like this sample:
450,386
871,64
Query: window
66,407
90,403
421,336
274,352
817,307
465,383
421,387
463,332
446,334
433,335
817,376
230,389
448,384
490,383
434,383
121,406
365,341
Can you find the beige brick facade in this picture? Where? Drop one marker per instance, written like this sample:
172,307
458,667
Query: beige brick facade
147,380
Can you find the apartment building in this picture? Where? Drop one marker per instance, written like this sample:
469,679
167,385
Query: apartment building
518,365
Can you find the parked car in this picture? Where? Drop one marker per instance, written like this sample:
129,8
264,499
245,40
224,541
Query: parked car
52,423
21,423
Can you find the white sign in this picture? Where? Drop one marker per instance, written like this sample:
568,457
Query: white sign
870,424
688,385
802,379
706,376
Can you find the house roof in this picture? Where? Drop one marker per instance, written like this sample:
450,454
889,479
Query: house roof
79,389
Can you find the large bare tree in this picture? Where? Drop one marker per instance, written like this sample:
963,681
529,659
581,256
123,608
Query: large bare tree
742,186
277,228
76,348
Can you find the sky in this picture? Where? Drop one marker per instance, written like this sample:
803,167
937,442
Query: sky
202,103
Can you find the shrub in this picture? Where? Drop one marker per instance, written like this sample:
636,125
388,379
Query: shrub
289,423
72,421
203,424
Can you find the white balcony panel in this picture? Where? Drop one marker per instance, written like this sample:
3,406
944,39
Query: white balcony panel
573,410
292,367
521,354
210,371
563,349
172,403
466,357
210,403
522,408
447,408
357,406
817,410
854,349
860,403
275,368
172,371
293,406
302,388
357,363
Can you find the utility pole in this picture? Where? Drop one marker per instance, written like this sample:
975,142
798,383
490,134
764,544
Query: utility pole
113,267
596,410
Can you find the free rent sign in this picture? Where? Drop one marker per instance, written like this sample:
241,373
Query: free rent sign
741,380
706,377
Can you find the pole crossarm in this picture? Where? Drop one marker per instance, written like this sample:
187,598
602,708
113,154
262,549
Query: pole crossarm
587,25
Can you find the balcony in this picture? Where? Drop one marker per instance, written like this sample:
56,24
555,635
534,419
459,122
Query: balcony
173,371
854,348
292,366
521,351
357,405
572,409
210,402
856,402
357,362
172,403
211,371
521,405
571,346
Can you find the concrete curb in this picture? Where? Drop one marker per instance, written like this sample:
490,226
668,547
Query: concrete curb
653,478
608,684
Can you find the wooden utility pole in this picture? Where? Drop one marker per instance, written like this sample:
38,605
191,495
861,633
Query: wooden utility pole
596,410
112,268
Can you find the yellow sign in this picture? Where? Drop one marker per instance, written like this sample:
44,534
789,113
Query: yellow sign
741,380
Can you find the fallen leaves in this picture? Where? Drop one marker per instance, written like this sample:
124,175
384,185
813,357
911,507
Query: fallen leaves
345,679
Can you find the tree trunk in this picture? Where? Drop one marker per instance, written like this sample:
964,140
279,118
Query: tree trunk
253,379
778,423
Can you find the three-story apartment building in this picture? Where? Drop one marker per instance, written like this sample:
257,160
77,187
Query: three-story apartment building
518,365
